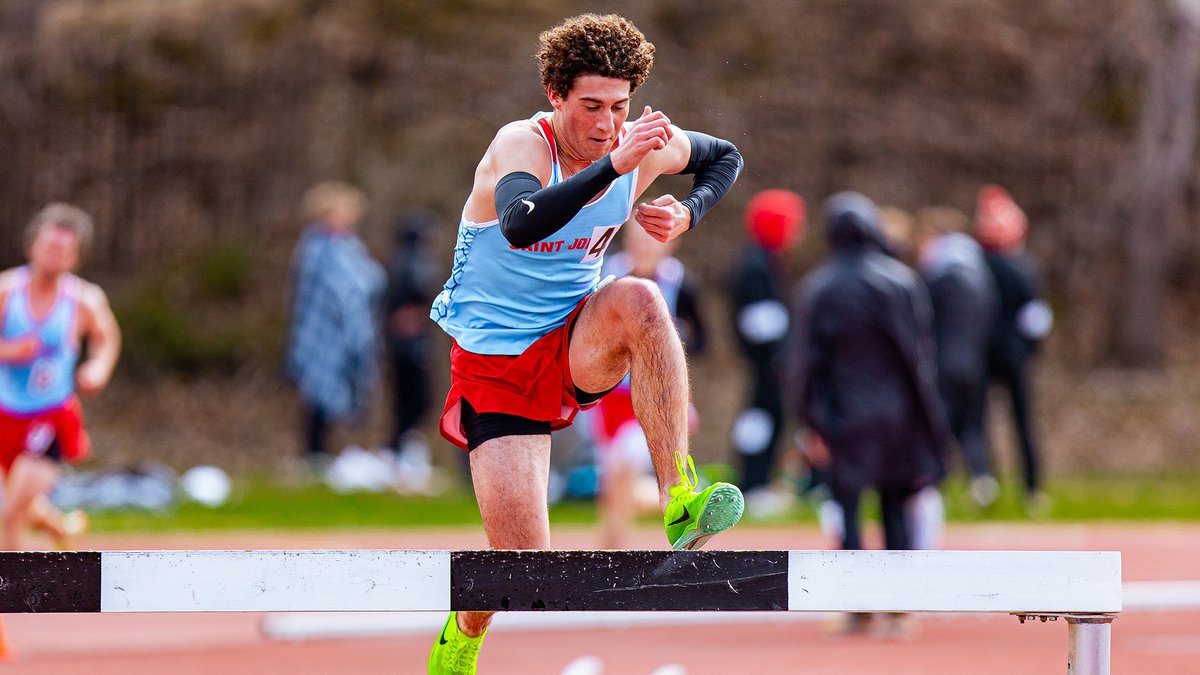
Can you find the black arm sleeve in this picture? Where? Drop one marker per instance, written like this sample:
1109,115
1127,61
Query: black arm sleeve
716,163
529,213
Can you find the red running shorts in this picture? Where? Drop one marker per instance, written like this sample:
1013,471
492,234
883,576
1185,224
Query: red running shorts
33,434
535,385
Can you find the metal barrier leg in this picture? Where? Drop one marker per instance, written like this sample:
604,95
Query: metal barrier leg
1089,644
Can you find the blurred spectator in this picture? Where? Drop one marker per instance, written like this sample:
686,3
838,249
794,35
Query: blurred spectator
863,370
335,291
964,303
59,336
1024,319
413,281
773,219
862,374
627,484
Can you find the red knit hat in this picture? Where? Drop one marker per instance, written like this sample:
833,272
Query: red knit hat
999,222
775,218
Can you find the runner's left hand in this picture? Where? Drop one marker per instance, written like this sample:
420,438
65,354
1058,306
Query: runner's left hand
90,378
664,218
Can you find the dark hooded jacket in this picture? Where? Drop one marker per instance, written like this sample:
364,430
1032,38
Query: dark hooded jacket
964,310
1018,285
413,281
861,362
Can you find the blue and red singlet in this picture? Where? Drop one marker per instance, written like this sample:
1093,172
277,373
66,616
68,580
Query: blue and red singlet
37,399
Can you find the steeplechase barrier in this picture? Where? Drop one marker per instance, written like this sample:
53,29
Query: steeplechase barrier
1081,587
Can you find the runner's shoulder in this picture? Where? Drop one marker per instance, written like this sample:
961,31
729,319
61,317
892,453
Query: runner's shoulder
8,279
91,296
520,132
518,146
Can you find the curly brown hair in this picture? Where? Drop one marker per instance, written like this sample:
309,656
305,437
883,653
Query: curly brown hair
590,44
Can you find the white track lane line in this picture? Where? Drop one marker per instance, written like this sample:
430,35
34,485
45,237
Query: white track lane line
1136,595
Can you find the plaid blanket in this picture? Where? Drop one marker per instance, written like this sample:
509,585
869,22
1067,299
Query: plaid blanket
336,291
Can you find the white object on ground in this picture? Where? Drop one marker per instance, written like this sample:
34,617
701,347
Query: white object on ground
832,521
206,484
358,470
926,516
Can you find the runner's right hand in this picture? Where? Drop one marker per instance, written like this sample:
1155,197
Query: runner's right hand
20,350
650,132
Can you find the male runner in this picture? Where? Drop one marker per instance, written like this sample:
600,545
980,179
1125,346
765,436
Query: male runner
536,335
46,314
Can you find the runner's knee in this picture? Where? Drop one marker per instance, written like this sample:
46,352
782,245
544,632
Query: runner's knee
640,303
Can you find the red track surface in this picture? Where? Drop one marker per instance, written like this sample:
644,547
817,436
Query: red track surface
232,644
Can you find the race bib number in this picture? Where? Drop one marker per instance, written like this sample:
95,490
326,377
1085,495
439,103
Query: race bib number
598,244
43,376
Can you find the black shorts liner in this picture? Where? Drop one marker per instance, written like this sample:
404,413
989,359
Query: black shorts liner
483,427
54,452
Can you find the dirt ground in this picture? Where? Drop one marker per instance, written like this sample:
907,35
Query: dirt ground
235,644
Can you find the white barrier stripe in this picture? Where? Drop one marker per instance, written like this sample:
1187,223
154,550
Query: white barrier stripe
955,581
274,581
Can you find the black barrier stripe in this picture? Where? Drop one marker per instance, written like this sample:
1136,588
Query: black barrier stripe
619,580
50,582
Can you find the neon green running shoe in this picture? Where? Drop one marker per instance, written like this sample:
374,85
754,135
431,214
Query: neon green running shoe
455,652
694,517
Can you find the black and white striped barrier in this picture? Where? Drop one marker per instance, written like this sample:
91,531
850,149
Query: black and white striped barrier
1084,587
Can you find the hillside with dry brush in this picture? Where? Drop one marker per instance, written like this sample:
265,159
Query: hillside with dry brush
191,128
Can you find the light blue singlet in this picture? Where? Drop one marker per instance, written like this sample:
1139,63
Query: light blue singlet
49,380
500,300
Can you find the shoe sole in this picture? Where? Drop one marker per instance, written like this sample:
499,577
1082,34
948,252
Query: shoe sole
721,511
75,524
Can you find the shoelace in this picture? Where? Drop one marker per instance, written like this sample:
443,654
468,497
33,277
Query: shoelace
689,481
462,654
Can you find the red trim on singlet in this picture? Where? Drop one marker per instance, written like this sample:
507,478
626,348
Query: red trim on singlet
67,290
548,133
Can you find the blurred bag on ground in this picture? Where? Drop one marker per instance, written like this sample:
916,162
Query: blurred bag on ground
149,486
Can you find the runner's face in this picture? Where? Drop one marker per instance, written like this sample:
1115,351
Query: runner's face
591,115
55,250
342,219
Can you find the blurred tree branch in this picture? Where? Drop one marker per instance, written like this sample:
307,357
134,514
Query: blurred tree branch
1148,192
